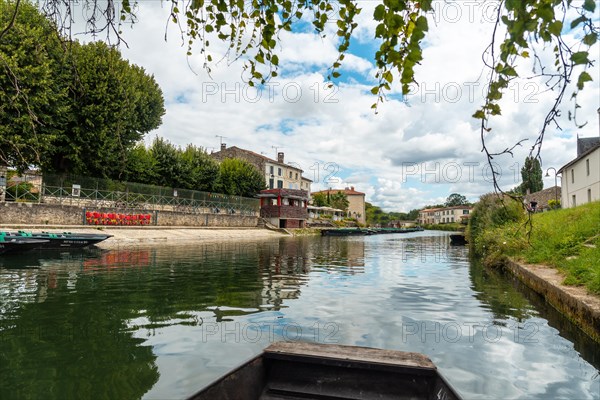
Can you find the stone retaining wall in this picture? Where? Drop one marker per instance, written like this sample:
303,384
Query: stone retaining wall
52,214
575,303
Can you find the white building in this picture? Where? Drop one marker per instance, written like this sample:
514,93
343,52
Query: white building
581,177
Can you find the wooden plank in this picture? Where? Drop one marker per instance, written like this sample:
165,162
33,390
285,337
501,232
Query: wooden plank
354,353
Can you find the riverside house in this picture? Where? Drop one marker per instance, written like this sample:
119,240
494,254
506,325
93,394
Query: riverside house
284,208
278,174
445,215
356,202
581,177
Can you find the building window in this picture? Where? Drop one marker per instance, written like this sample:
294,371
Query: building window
572,176
279,173
587,166
465,212
271,169
296,176
574,199
271,183
279,184
589,195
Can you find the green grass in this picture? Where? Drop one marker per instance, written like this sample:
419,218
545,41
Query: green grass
567,239
454,227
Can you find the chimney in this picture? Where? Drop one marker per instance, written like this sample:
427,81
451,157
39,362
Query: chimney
223,146
280,157
352,188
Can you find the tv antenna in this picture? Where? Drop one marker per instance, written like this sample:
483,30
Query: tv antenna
221,138
277,149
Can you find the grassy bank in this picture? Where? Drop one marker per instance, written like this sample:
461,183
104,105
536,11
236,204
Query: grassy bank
444,227
567,239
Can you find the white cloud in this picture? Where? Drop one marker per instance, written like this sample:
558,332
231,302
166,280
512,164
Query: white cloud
335,131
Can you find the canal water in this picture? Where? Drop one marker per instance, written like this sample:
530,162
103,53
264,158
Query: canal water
162,322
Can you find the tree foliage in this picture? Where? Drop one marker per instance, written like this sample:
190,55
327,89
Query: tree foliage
456,199
34,92
113,104
320,199
376,216
65,106
240,178
339,200
531,172
333,199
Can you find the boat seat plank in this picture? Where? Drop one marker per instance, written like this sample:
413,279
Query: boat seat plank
354,353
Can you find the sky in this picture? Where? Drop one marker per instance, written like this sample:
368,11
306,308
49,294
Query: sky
410,154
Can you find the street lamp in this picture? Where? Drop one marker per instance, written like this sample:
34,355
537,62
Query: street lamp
555,183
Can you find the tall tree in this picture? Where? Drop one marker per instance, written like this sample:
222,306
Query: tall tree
339,200
240,178
113,104
33,86
531,172
201,170
456,199
169,170
320,200
65,106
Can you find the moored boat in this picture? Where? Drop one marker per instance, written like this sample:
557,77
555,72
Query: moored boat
458,239
346,232
63,240
14,245
321,371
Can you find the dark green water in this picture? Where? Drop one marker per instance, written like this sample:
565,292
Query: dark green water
162,322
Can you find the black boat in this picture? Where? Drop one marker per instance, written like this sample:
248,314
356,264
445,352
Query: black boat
346,232
321,371
458,239
63,240
14,245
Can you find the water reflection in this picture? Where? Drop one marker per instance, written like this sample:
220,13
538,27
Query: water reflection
161,322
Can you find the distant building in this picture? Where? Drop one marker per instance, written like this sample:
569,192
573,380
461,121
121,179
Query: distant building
401,224
284,208
356,202
445,215
278,175
581,177
542,197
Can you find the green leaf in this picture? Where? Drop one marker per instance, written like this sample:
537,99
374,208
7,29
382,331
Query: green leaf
209,28
590,39
335,74
580,57
387,75
422,24
578,21
589,5
555,28
275,59
479,114
375,90
379,12
583,78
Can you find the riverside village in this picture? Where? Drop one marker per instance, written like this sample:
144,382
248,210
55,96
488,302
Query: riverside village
289,201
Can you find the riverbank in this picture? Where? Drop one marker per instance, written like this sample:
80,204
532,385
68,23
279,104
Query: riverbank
581,307
558,255
125,236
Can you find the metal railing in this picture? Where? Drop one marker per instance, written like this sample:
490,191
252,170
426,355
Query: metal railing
34,189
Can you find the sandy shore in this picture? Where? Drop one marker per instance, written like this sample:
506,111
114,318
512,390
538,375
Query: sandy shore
130,236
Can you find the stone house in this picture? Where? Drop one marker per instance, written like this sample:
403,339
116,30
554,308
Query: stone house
278,174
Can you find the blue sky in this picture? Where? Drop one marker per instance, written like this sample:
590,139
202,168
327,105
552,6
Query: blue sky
408,155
